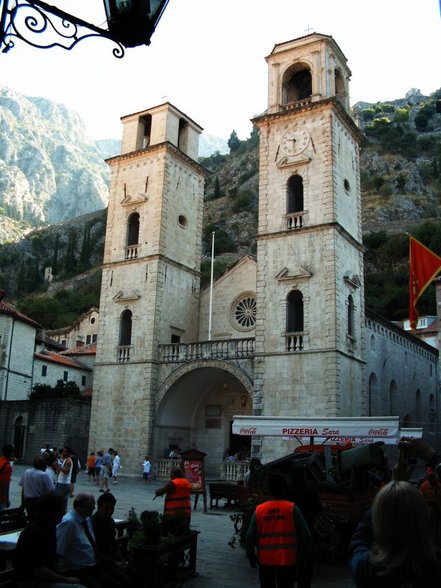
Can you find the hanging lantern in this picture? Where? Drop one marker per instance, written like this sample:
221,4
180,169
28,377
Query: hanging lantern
132,22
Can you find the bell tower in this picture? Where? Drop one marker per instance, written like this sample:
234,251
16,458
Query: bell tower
310,290
151,272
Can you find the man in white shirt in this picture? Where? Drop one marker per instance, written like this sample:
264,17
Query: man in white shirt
34,484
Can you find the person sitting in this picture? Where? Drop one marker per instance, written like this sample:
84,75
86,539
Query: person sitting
76,543
110,558
393,545
36,550
34,484
77,546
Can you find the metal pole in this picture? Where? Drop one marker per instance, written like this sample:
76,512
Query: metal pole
211,287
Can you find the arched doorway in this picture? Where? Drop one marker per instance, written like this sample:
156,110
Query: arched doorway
19,436
196,411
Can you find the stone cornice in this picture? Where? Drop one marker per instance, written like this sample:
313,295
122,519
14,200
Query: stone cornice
166,145
306,106
146,258
314,228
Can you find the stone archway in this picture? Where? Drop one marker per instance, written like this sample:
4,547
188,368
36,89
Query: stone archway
196,405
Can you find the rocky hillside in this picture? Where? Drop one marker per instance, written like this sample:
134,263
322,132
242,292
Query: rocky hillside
401,189
50,170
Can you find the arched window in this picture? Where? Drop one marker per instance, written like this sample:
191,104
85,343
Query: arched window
351,309
183,135
133,229
297,84
125,331
19,436
294,312
393,399
418,409
294,200
340,90
374,408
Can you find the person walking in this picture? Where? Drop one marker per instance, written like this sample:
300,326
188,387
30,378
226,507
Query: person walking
116,466
278,538
91,465
106,470
146,467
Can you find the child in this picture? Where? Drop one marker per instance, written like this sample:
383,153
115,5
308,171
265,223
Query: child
91,461
146,466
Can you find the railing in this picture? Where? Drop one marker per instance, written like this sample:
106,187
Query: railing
132,251
222,349
234,471
163,467
296,104
124,353
294,341
294,220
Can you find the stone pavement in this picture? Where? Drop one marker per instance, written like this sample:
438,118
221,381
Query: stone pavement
218,564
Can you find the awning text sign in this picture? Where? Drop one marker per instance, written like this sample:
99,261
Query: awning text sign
375,428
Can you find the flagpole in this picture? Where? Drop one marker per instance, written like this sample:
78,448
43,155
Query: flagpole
211,287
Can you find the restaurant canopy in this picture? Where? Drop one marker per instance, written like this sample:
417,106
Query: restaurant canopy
327,429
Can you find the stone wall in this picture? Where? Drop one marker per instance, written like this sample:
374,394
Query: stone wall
57,421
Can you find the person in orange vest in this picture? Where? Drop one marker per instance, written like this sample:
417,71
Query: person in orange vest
278,538
177,495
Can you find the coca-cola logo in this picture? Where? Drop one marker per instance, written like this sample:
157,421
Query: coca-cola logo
378,432
247,431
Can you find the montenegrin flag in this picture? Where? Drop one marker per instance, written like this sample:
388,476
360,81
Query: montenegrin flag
424,265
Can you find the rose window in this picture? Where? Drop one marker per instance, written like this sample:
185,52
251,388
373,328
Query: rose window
244,312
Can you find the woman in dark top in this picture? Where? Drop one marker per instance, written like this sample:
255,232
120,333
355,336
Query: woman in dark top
392,546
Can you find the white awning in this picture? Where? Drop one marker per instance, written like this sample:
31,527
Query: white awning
355,429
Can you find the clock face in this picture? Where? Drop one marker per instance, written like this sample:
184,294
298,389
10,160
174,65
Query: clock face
294,141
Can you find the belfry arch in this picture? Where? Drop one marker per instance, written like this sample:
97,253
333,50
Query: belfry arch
195,407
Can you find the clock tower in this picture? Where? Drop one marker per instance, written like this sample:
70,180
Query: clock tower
310,290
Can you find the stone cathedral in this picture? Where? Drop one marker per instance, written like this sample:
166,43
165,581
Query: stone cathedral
288,329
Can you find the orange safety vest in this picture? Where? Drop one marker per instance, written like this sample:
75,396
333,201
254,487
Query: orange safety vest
179,501
277,537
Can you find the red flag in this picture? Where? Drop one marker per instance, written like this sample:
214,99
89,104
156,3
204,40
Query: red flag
423,267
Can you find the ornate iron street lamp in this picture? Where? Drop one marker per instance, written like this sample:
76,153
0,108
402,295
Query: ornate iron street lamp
131,23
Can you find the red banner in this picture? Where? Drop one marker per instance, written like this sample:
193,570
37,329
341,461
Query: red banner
424,265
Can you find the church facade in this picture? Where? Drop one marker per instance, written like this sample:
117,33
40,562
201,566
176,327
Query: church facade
283,334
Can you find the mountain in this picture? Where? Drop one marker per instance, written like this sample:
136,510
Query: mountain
50,170
401,190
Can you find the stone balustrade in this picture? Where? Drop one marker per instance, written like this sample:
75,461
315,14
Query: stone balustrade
221,349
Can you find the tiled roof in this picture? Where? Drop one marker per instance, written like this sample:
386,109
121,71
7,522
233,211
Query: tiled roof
81,350
6,308
60,359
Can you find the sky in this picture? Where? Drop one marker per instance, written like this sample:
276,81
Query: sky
207,57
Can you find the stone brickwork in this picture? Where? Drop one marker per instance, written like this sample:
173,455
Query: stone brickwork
57,421
402,376
17,341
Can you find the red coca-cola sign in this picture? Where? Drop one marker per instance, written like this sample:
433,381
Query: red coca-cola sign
247,431
378,432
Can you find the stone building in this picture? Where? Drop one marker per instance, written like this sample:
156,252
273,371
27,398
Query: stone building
285,334
84,331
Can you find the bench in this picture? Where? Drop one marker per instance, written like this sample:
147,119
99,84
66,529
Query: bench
12,519
224,490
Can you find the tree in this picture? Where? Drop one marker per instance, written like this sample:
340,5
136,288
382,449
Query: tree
69,261
217,190
55,256
233,142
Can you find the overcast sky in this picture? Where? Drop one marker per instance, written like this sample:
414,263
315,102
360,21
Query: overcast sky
207,58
